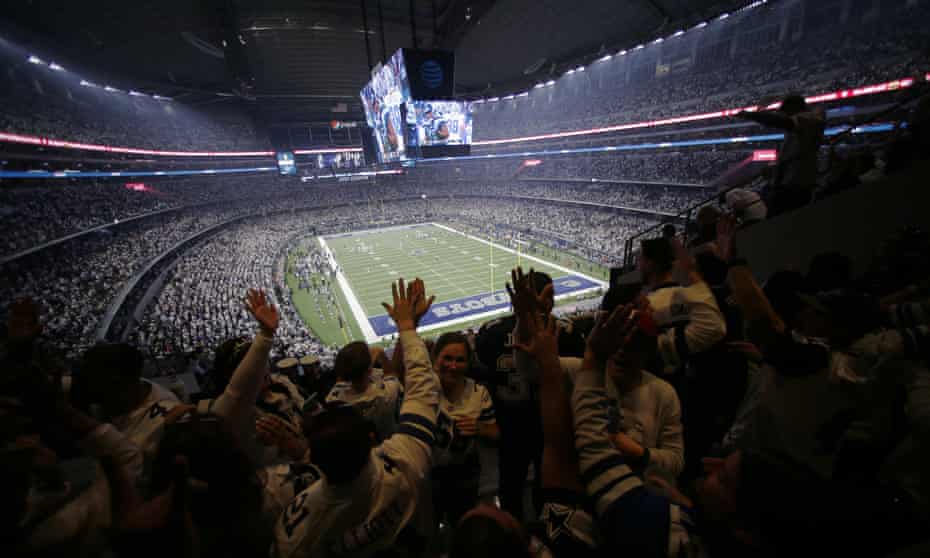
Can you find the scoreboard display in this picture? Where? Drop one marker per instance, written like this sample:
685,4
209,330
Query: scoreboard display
287,166
405,123
431,123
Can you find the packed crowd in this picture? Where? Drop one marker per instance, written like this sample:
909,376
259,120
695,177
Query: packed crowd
731,66
37,101
79,206
696,413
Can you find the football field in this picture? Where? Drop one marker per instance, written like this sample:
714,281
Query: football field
465,273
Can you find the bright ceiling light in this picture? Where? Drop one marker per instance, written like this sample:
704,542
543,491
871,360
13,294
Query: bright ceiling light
35,60
56,67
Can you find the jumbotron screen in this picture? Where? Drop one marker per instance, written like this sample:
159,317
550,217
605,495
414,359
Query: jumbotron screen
431,123
286,163
383,99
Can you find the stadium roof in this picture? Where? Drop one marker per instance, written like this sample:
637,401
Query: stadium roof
305,60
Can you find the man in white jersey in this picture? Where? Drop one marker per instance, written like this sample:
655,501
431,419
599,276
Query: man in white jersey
368,496
376,396
110,377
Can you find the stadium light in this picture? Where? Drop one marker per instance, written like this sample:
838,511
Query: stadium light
657,41
723,16
579,69
508,97
570,72
86,83
494,99
551,82
56,67
35,60
678,33
111,89
524,94
622,53
539,85
160,98
605,58
137,94
639,47
701,25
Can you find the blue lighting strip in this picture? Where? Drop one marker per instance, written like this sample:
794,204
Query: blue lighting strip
870,129
110,174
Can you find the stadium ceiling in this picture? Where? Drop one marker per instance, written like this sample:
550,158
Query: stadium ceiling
305,60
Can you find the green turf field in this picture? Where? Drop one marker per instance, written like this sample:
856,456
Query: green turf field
453,266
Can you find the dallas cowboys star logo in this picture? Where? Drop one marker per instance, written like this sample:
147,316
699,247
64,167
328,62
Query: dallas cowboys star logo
557,518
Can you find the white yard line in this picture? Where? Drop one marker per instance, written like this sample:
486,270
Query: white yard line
527,256
354,305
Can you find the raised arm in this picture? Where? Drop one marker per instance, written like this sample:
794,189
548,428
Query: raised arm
633,520
413,440
236,403
769,118
559,462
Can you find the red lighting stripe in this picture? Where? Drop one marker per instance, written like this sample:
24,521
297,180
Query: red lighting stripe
827,97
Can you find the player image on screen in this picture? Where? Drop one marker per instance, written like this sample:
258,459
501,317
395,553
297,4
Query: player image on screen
286,163
382,99
441,122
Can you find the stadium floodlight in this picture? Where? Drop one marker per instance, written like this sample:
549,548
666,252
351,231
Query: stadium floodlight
640,47
605,58
508,97
701,25
524,94
570,72
678,33
579,69
111,89
724,15
160,98
35,60
657,41
622,53
56,67
137,94
86,83
539,85
494,99
551,82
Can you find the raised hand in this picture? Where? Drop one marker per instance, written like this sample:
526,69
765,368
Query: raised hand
419,294
543,336
523,295
265,313
608,333
404,309
272,431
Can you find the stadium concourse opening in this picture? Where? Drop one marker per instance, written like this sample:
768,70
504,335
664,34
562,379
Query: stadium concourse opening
466,273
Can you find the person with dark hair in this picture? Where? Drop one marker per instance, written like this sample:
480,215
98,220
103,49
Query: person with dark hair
368,496
795,175
376,396
466,415
110,377
689,319
515,395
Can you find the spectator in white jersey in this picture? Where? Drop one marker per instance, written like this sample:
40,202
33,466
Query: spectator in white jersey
465,415
368,497
376,396
110,378
689,319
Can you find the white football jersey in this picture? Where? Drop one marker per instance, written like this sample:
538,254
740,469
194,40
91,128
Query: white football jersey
475,402
380,402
